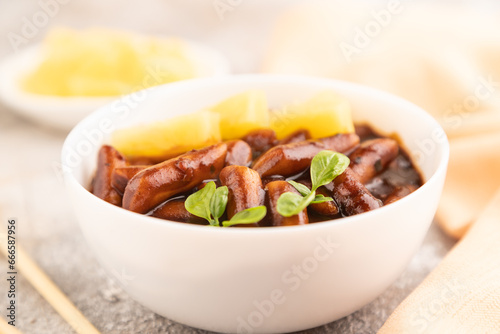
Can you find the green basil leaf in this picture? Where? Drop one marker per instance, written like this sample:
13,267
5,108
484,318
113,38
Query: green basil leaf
302,189
290,204
320,199
247,216
326,166
218,202
198,203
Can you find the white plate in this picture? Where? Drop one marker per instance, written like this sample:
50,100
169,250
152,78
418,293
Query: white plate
65,112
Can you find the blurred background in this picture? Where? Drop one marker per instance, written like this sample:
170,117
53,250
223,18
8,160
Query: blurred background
434,53
441,55
238,28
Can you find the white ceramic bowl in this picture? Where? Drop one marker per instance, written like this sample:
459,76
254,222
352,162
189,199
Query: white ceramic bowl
65,112
262,280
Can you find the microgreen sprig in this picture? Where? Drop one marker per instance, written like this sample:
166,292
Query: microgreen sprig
210,203
247,216
325,167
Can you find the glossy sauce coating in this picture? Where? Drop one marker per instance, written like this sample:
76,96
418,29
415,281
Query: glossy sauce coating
176,211
157,183
238,153
245,189
291,159
399,192
296,137
328,209
273,191
325,209
351,195
260,140
107,160
121,175
380,173
372,157
272,178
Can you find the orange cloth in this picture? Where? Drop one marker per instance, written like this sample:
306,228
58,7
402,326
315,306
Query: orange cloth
462,295
472,178
440,56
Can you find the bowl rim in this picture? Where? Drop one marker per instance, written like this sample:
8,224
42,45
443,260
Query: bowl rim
199,83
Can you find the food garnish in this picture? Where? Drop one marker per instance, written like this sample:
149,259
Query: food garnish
210,203
325,167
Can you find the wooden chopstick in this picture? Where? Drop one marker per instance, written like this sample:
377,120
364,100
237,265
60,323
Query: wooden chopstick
45,287
5,328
